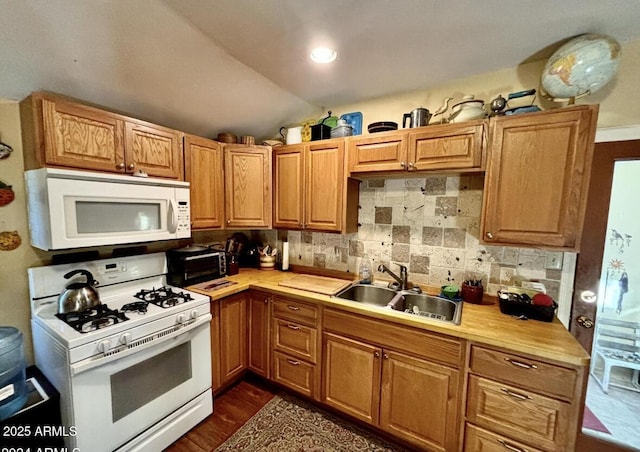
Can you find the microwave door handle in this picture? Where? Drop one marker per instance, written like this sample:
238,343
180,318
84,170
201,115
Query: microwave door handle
172,217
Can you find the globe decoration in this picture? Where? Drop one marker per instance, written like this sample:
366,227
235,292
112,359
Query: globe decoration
580,67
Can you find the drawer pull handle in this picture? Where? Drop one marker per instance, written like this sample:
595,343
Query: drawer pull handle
515,395
293,327
293,308
293,363
511,447
521,364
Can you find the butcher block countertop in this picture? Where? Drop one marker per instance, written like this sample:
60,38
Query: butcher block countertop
482,323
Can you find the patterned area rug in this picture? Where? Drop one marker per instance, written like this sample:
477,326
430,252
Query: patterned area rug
288,423
591,422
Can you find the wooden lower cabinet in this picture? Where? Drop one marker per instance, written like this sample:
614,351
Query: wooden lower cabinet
258,318
294,339
295,374
419,401
351,377
522,400
477,439
233,337
411,398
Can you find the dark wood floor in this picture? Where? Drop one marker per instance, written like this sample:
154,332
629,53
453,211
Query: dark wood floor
230,411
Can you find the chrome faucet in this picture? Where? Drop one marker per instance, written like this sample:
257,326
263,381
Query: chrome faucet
402,279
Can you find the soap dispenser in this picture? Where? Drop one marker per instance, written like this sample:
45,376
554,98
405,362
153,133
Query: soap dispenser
365,273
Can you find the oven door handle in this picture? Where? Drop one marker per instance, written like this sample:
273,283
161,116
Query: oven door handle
145,343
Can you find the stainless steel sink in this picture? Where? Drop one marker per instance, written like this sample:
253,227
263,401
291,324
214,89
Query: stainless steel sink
368,294
409,302
433,307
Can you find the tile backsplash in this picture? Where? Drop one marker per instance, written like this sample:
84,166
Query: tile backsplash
431,225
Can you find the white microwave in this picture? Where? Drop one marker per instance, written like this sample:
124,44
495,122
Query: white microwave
74,209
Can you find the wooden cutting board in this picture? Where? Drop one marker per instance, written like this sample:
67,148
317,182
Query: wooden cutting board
318,284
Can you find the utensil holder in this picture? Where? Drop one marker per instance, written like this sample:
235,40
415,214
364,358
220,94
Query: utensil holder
267,262
472,294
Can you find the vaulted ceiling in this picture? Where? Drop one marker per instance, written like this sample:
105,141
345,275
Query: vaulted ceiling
242,66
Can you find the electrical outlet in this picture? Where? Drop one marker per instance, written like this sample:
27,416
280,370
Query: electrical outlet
507,276
554,260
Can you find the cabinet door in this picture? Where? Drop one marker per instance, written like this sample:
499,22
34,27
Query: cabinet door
451,146
288,186
521,414
203,170
258,350
325,186
351,381
233,337
537,177
82,137
248,186
153,149
385,151
419,401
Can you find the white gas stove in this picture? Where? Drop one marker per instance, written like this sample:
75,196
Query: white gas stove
138,365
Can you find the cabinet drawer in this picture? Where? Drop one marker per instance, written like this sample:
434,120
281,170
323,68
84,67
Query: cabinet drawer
480,440
295,311
518,413
525,372
294,374
296,340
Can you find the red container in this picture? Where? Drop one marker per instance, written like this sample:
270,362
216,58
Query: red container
471,294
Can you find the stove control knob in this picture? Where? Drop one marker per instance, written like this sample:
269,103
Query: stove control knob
194,314
126,338
182,318
104,346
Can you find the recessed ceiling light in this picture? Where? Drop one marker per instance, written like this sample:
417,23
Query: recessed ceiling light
323,55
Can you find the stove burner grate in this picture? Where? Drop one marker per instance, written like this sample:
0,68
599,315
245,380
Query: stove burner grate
137,306
92,319
164,297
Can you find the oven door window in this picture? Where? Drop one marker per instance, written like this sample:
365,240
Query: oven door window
141,383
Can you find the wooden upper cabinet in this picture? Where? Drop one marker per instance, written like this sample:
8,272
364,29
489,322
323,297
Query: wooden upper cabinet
325,181
384,151
288,186
247,171
204,171
311,188
61,132
457,147
449,146
537,177
154,150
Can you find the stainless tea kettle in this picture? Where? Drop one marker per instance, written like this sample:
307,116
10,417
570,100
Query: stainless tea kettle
419,117
79,296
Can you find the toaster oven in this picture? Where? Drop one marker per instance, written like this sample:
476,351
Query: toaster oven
195,264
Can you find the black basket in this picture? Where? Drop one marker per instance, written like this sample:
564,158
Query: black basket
528,310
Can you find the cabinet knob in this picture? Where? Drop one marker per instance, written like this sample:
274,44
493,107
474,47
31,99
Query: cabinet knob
385,356
489,235
266,300
131,166
228,221
120,166
376,354
403,164
411,165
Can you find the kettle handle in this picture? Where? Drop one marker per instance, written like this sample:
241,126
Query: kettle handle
85,273
282,134
404,120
